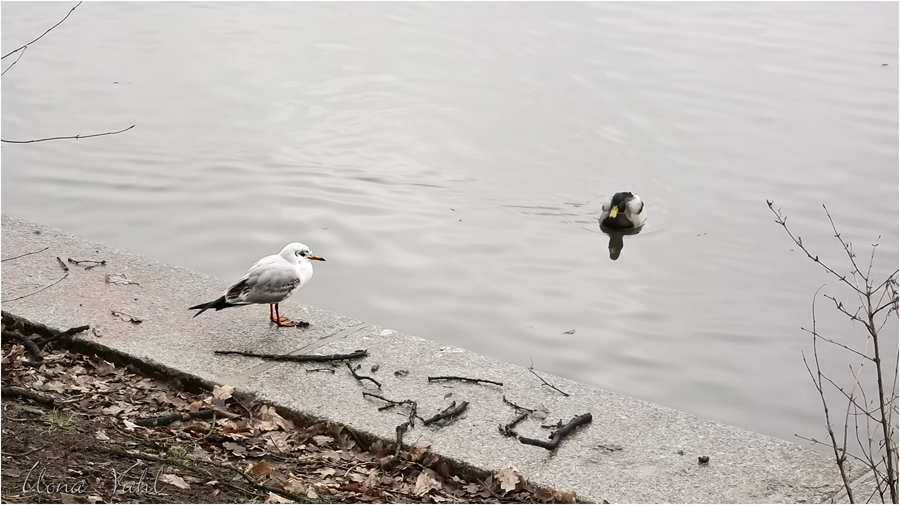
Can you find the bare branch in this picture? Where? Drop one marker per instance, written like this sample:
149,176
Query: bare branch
13,63
22,48
76,137
26,254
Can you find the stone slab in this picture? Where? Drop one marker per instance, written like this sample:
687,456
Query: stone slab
632,452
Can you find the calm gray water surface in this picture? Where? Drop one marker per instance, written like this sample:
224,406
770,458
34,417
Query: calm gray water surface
449,160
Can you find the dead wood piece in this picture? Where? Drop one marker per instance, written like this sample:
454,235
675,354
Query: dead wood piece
329,370
171,418
361,378
63,265
413,406
531,369
26,254
41,342
559,434
451,411
301,358
463,379
517,407
24,393
30,346
401,429
508,431
93,263
54,283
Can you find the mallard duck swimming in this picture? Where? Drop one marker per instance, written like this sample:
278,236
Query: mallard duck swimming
623,211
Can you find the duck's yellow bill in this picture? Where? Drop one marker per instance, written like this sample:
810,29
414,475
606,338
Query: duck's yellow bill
613,212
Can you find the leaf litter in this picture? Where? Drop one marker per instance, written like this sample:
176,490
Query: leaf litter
249,452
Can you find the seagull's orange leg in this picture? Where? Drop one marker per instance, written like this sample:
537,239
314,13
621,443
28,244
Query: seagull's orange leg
271,313
282,321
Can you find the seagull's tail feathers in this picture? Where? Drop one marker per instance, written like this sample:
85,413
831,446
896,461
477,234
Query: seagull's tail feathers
218,304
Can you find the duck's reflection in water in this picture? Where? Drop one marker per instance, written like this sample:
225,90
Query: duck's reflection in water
616,242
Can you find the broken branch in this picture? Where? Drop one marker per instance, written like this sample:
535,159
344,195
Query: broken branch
171,418
33,350
26,254
41,342
463,379
559,434
24,393
508,431
76,137
361,378
452,410
531,369
300,358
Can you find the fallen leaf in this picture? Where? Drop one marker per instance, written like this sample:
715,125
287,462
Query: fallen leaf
68,498
508,476
326,472
236,449
223,392
425,482
563,496
119,279
101,435
274,498
261,469
130,426
175,480
322,440
94,499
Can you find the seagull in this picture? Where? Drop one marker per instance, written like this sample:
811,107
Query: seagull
270,280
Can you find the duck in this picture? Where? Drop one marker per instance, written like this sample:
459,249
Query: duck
623,211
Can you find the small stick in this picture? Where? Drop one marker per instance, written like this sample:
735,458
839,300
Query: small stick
531,369
517,407
63,265
391,403
301,358
508,431
23,393
329,370
559,434
26,254
401,429
361,378
76,137
463,379
41,342
450,411
171,418
95,263
33,350
38,291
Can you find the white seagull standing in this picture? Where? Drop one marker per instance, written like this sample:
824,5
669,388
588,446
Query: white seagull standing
270,280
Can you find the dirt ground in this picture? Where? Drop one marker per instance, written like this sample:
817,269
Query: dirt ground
72,432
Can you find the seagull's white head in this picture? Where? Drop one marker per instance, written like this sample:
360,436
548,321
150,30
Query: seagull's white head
296,252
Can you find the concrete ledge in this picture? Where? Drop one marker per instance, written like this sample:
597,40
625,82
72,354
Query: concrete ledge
633,451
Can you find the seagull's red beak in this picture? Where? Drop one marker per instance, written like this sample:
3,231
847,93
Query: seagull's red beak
317,258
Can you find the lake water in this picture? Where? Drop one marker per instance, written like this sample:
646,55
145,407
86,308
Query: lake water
450,160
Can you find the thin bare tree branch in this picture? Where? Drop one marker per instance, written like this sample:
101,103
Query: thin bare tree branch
76,137
13,63
22,48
